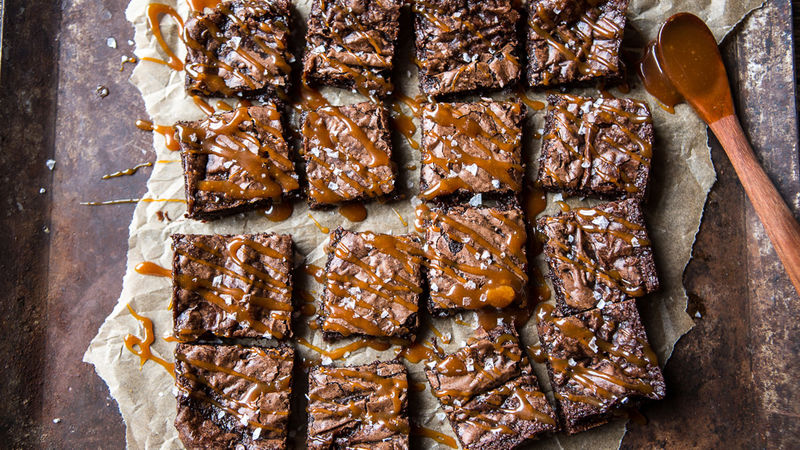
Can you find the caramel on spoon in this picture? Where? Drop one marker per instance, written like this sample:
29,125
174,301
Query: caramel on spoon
684,63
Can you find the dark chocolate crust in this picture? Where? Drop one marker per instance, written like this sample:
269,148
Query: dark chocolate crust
471,148
348,151
378,390
216,405
351,44
465,45
490,393
598,255
608,347
596,147
374,282
574,40
232,286
240,49
222,177
476,257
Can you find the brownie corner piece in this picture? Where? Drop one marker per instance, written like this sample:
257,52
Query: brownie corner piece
216,406
239,49
235,162
466,45
471,148
232,286
374,282
476,256
379,390
490,393
351,45
348,154
599,361
598,255
596,147
561,51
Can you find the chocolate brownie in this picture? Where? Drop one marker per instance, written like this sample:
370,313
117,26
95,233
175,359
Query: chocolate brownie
598,255
470,148
465,45
574,40
348,152
476,256
235,161
232,396
239,49
232,286
358,407
596,147
599,360
351,44
373,285
490,393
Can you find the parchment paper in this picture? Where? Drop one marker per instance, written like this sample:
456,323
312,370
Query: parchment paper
682,176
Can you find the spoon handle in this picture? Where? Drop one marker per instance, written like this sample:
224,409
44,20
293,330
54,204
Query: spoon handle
781,226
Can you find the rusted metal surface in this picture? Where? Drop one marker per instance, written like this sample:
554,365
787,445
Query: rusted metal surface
730,379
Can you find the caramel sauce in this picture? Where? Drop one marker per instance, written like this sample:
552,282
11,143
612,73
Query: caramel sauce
399,216
443,338
127,60
563,206
199,5
537,353
127,172
124,201
535,105
278,212
223,106
354,212
322,229
310,99
144,352
685,63
418,387
172,339
153,269
418,430
404,124
203,105
154,13
167,132
504,171
420,351
317,272
534,200
343,351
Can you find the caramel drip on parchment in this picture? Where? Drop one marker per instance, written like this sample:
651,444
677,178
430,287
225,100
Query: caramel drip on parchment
154,13
535,105
393,389
278,212
590,378
421,351
419,430
575,43
505,279
354,211
317,272
123,201
153,269
199,5
344,351
322,229
203,105
320,139
347,289
166,131
127,172
269,171
144,352
446,115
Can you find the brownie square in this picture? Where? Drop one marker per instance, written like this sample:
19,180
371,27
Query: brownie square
232,396
596,147
239,49
490,393
574,40
471,148
476,257
351,44
598,255
373,285
348,153
599,361
466,45
358,407
235,161
232,286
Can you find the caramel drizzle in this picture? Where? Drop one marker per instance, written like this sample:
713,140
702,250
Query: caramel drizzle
590,378
229,404
446,115
610,114
419,430
124,201
506,280
270,171
218,294
405,125
421,351
578,39
127,172
575,255
341,352
320,227
392,388
322,140
144,351
200,5
167,132
154,13
345,288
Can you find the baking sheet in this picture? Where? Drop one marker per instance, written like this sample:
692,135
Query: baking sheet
682,174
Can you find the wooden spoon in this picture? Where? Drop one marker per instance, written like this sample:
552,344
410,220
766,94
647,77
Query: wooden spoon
685,60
